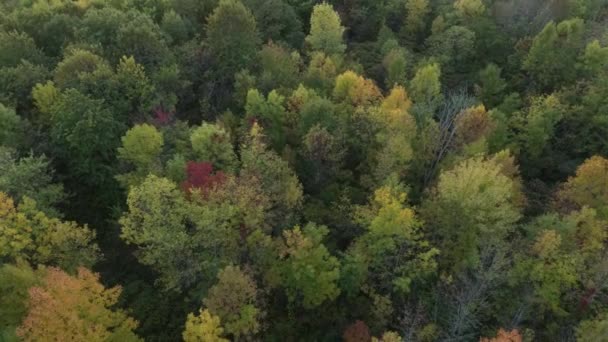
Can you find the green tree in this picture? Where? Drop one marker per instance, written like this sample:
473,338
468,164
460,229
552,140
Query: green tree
553,54
392,254
470,8
211,143
594,59
233,300
592,329
141,145
232,37
305,269
16,46
141,38
11,127
417,11
425,87
491,85
454,49
326,30
278,21
156,223
540,124
475,203
395,64
141,148
15,280
187,242
270,113
280,69
30,177
278,181
68,70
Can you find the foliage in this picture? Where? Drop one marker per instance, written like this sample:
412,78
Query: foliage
303,170
232,37
233,299
473,203
203,328
326,30
84,314
305,268
27,233
211,143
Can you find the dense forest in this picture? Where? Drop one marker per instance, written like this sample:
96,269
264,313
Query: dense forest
299,170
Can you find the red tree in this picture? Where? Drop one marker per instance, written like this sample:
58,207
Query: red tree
200,176
357,332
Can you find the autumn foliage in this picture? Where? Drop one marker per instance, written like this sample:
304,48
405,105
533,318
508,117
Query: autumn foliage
75,308
200,176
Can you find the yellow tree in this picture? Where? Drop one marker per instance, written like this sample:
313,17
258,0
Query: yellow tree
203,328
75,308
589,187
26,232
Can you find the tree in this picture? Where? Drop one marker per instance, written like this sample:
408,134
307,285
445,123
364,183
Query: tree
389,336
356,90
278,181
589,186
83,127
323,155
540,122
232,37
305,269
395,137
594,58
280,68
552,56
212,143
491,85
73,308
425,87
141,38
475,203
203,328
550,269
357,332
200,177
156,223
186,241
592,329
233,300
473,126
470,8
453,49
79,61
26,233
141,147
30,177
504,336
15,280
11,127
417,10
321,73
326,30
393,254
270,113
15,46
278,21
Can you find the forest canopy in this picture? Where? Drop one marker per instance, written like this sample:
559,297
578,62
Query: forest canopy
298,170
